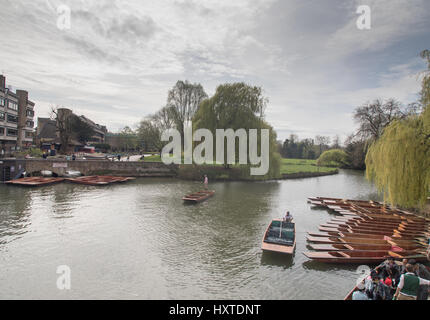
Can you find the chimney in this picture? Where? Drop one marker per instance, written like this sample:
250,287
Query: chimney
2,82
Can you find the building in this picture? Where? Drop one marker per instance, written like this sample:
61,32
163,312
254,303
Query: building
16,118
48,131
99,131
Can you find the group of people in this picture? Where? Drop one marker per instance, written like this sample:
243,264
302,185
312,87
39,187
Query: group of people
390,281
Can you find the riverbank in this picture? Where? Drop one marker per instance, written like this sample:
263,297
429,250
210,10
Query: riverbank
153,167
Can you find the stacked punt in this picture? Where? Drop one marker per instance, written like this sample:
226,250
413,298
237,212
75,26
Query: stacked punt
367,232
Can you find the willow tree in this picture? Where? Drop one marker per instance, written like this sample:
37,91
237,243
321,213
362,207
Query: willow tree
399,161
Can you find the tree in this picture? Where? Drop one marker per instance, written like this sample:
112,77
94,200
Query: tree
64,126
323,143
237,106
356,150
334,157
399,161
183,101
82,131
151,128
375,116
129,139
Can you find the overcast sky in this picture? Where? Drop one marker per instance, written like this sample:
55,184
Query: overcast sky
120,58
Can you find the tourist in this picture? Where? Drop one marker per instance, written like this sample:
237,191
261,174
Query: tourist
409,284
206,182
360,294
288,217
388,268
422,272
119,157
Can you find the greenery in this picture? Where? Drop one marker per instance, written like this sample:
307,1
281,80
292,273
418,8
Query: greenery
399,161
290,166
82,131
333,158
238,106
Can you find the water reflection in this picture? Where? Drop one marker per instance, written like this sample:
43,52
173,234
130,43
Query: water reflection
138,240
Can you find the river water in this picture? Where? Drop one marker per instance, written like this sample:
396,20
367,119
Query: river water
139,241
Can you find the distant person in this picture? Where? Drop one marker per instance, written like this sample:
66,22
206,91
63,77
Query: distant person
128,157
409,284
288,217
360,294
2,153
142,157
206,182
119,157
73,157
45,155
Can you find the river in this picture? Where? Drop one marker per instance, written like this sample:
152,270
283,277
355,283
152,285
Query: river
139,241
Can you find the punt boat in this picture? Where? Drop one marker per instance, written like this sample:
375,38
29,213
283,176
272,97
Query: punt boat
198,196
34,181
99,180
280,237
363,256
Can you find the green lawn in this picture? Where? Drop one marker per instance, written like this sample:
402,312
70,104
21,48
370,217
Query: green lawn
302,165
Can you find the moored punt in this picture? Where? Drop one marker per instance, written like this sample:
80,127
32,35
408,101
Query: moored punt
339,246
363,235
387,231
362,256
280,237
99,180
34,181
198,196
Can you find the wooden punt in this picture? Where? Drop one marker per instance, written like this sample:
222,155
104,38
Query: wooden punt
198,196
99,180
280,237
339,246
380,230
363,235
34,181
362,256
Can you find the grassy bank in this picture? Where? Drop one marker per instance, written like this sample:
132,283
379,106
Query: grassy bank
290,168
294,166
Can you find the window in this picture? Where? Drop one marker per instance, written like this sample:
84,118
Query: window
2,116
30,113
2,102
28,134
11,118
1,131
12,105
12,132
29,124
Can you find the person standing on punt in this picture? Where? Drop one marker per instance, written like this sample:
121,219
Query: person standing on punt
288,217
409,284
206,182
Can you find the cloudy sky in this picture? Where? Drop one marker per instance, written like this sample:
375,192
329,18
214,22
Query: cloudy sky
119,58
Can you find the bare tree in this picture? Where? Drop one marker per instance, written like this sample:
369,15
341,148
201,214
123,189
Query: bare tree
64,126
183,101
375,116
